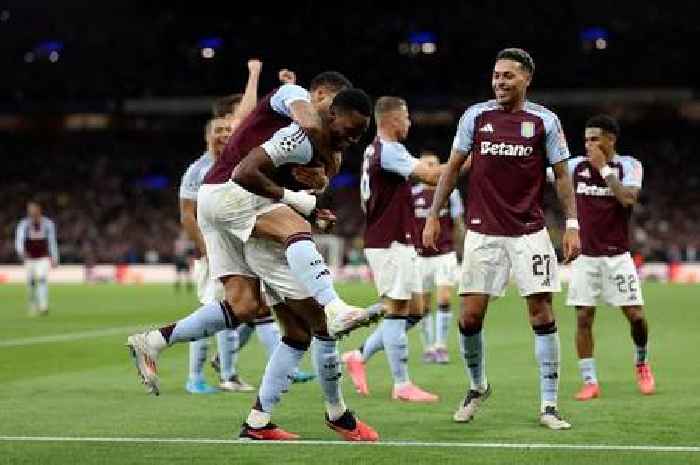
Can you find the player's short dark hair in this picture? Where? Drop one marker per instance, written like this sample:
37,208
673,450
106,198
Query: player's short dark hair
332,79
605,122
224,105
386,104
519,55
353,100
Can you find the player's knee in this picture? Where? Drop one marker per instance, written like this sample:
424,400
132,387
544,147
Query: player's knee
471,322
244,306
635,315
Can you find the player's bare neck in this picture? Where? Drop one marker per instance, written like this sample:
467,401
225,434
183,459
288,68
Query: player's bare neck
514,107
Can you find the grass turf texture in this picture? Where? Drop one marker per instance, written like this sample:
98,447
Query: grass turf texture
87,388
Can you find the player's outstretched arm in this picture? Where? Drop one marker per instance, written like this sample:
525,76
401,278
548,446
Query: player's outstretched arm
426,173
445,186
188,219
250,95
571,241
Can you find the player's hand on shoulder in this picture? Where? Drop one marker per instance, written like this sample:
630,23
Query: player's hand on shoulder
287,76
254,66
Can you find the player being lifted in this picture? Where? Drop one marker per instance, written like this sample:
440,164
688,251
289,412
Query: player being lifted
387,172
607,186
265,169
36,246
228,112
437,269
511,141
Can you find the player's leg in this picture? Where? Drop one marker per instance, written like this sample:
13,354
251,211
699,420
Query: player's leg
395,343
622,289
444,280
547,353
30,269
536,274
285,226
241,301
585,317
585,287
473,347
196,384
229,345
285,358
443,322
325,354
42,285
427,326
640,336
484,274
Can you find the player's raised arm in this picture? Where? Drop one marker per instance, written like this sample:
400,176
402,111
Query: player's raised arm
250,95
288,145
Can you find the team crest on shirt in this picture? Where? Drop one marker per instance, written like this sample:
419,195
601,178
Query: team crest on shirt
585,173
527,129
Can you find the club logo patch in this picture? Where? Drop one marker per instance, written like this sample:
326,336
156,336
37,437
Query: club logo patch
527,129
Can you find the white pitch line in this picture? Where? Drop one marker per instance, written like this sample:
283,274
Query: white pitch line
485,445
67,337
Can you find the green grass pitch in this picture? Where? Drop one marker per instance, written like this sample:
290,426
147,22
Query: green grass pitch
54,385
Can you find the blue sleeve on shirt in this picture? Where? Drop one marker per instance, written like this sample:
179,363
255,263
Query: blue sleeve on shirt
285,95
396,159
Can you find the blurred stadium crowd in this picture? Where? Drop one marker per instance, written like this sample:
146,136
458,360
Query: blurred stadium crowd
112,189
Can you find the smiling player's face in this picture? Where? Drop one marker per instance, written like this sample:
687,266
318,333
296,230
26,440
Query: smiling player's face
509,81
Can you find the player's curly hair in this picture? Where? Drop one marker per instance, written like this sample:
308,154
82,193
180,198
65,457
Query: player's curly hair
605,122
353,99
331,79
519,55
